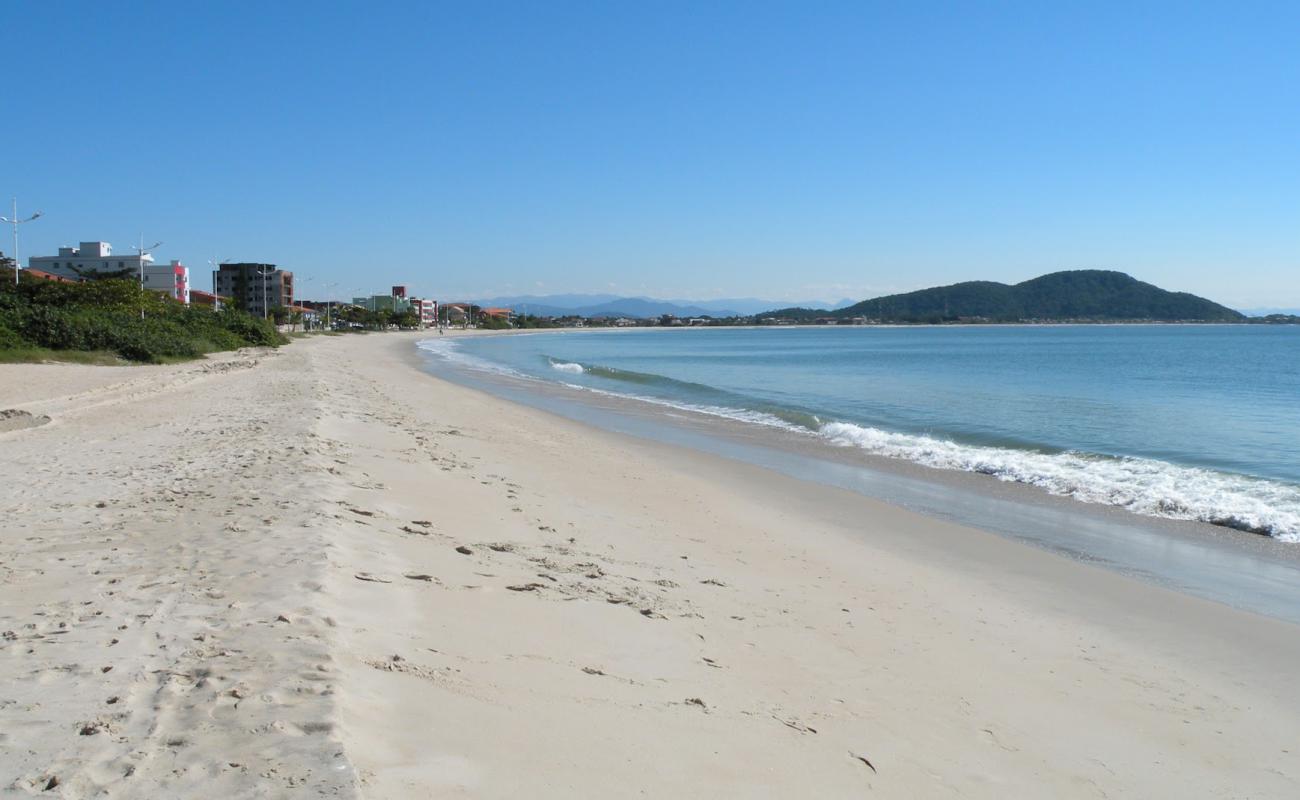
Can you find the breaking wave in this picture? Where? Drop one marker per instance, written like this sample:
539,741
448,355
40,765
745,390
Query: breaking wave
1141,485
448,350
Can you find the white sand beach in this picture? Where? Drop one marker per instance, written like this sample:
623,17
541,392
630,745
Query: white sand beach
322,572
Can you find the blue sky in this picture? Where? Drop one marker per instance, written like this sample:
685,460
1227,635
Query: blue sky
783,150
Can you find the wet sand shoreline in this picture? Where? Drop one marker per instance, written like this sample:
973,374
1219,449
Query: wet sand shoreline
1247,570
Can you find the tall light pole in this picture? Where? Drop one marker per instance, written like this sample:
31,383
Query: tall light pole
216,268
295,289
144,251
16,222
329,300
264,273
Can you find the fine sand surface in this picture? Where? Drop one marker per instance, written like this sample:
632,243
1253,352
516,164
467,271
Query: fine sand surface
319,571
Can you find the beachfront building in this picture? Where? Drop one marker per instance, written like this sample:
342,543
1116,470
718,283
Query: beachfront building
496,314
426,310
43,275
383,302
171,279
456,313
93,260
90,260
398,301
257,288
307,316
198,297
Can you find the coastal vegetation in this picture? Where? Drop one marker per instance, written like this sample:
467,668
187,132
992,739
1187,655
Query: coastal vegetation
117,318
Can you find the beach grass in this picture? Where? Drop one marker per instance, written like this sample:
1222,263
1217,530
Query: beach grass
43,355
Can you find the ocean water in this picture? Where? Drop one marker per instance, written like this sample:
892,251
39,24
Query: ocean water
1182,422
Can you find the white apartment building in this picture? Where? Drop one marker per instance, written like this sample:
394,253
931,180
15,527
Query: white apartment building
88,260
96,259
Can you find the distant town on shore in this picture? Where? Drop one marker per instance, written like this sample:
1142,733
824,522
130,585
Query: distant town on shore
267,291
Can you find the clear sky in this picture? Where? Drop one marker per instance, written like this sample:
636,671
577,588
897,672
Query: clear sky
782,150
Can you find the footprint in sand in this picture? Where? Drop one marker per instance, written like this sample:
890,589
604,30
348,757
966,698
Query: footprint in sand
14,419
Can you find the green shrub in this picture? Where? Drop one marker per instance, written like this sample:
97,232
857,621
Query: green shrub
119,316
9,338
253,331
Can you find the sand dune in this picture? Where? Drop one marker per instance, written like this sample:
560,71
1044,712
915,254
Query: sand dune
321,572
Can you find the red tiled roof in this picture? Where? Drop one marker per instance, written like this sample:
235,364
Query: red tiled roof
205,298
48,276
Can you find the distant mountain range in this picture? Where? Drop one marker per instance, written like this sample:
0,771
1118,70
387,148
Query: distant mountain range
596,305
1098,295
1264,312
1089,294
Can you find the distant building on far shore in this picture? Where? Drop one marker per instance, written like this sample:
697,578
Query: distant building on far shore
258,288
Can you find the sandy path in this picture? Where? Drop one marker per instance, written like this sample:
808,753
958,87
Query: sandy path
482,600
155,532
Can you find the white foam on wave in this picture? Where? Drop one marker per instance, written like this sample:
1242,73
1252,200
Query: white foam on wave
573,369
1141,485
726,412
449,350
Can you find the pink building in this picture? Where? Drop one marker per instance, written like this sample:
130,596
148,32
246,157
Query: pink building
426,310
171,279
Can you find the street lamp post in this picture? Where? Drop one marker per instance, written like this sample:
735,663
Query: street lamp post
216,269
265,301
144,251
300,296
16,222
329,300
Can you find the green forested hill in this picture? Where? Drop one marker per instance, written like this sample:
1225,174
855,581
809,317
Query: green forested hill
1073,295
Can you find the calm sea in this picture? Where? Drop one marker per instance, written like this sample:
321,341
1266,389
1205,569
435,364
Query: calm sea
1185,422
